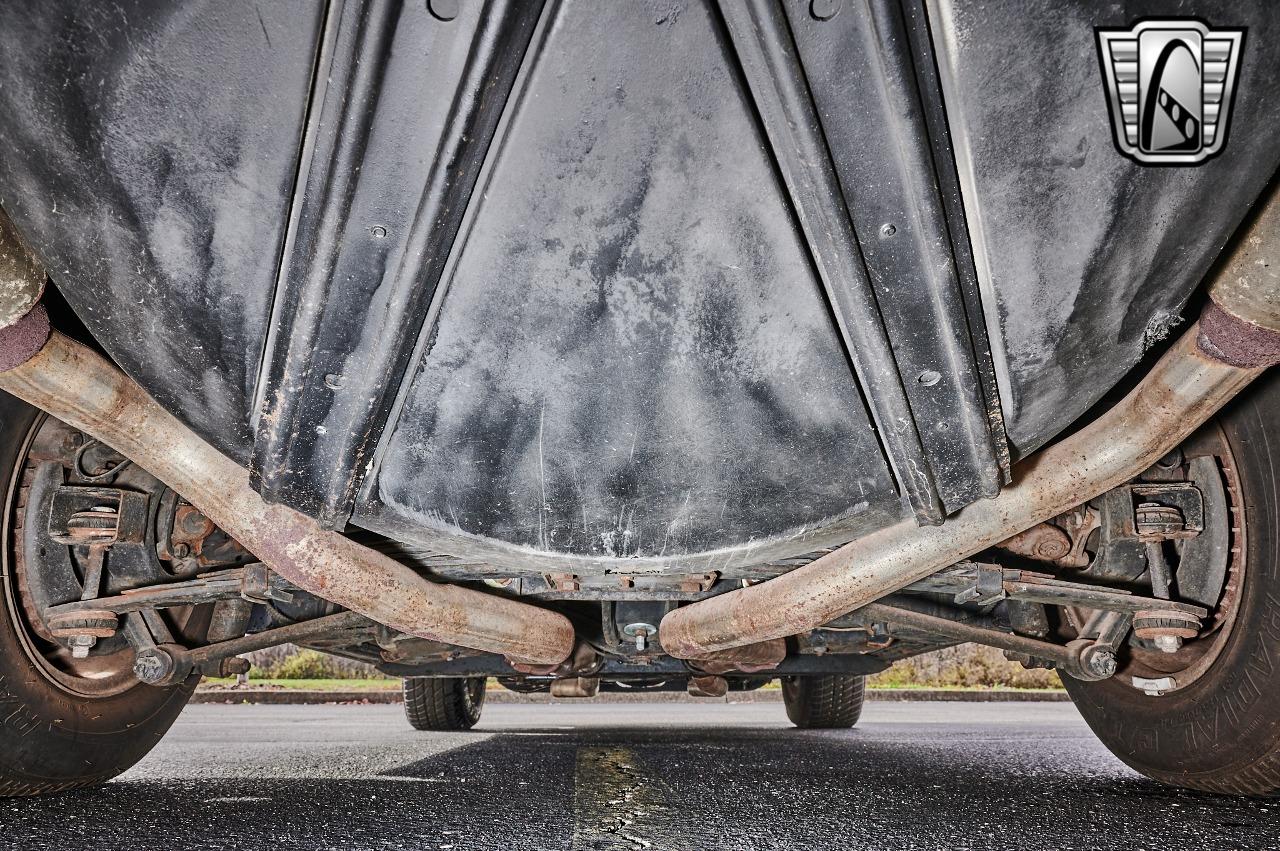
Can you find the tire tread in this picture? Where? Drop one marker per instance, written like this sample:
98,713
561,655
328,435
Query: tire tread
828,702
440,704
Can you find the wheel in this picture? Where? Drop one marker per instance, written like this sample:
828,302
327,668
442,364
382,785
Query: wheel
828,702
443,704
1216,727
67,722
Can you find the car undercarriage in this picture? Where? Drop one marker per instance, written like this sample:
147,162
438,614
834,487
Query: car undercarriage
652,346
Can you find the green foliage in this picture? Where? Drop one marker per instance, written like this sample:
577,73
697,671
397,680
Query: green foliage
967,666
293,663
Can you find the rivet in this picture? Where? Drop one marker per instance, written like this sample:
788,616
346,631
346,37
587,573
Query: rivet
378,231
824,10
887,230
929,378
445,10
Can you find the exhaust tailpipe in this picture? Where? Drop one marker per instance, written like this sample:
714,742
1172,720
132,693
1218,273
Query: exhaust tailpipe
1236,339
79,387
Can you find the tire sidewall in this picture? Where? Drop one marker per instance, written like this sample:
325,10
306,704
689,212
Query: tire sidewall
1228,720
51,739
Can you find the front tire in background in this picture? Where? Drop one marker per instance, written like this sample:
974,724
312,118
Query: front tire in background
443,704
828,702
1220,731
64,723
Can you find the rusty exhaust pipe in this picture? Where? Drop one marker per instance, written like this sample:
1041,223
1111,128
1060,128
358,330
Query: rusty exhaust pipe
1236,339
81,388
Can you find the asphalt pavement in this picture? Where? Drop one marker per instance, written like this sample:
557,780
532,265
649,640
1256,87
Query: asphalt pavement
665,776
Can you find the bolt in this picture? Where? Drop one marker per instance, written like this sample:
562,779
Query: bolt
929,378
887,231
640,632
152,665
181,550
81,645
825,10
1100,662
1167,643
378,231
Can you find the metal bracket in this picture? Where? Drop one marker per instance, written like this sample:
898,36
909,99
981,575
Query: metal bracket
259,585
253,582
1166,511
1155,687
987,588
84,516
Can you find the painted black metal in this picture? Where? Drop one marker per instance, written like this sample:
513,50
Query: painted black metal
1086,259
944,169
401,118
764,49
629,363
633,366
866,86
147,153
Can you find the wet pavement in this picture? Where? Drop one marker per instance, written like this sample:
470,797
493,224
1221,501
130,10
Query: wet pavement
599,776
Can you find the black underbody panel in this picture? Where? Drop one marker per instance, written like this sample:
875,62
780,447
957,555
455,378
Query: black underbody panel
613,287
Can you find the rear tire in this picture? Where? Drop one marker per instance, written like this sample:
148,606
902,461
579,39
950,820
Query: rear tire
1220,732
828,702
56,733
443,704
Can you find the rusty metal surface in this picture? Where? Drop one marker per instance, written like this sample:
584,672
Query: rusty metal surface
299,632
709,686
1184,389
23,338
1236,340
1248,287
749,658
22,276
953,629
1044,542
81,388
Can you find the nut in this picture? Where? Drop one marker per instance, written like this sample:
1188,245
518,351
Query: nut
156,666
1099,662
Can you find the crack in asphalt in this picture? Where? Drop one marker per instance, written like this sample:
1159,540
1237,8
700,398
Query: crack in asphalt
614,803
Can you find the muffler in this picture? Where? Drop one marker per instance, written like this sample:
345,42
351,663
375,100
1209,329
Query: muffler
82,389
1235,340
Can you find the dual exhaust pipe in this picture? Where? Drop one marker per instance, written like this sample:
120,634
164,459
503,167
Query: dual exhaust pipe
1235,340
